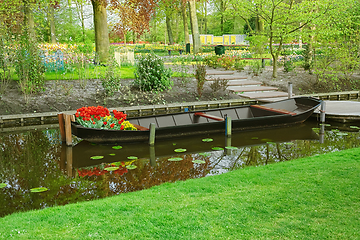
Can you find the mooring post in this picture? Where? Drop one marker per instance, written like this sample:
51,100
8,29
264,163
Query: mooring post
152,156
227,144
228,126
290,89
322,111
152,134
322,133
68,130
69,161
62,126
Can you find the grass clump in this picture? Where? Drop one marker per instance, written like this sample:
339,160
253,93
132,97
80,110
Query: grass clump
310,198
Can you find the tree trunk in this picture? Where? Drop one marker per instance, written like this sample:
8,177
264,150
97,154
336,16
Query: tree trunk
194,27
29,20
101,31
52,23
205,19
82,22
169,31
222,16
186,28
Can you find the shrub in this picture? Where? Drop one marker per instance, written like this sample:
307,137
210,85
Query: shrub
29,68
111,82
200,74
151,74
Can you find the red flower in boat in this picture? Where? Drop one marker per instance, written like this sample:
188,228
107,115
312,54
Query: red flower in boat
122,127
112,125
104,123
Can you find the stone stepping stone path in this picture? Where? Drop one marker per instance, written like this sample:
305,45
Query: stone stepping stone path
239,84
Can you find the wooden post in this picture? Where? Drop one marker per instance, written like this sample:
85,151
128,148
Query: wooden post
62,126
322,111
227,144
228,126
69,161
322,133
152,156
152,134
68,130
290,89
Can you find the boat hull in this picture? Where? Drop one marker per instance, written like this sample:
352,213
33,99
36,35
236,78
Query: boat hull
244,118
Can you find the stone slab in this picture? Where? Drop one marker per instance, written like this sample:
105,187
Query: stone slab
243,83
251,88
258,95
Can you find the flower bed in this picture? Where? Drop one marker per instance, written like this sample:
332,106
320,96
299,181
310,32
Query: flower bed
99,117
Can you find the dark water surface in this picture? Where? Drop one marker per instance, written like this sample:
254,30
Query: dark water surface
38,159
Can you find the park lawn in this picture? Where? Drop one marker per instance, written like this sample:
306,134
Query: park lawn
311,198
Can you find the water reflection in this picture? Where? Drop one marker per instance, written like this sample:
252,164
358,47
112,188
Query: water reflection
38,159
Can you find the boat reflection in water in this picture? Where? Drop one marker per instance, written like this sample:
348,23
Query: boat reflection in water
155,159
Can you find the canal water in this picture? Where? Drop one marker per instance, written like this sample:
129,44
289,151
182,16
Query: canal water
84,172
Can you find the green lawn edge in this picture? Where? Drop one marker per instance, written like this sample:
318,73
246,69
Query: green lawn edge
311,198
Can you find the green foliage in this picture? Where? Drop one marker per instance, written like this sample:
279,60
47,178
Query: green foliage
239,65
6,58
219,84
29,68
200,74
151,74
112,81
256,67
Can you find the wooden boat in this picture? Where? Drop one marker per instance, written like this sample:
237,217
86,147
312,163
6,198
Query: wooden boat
250,117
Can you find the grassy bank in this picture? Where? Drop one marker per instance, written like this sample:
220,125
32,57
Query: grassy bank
310,198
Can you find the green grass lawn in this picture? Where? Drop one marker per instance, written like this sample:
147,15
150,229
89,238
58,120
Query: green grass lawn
310,198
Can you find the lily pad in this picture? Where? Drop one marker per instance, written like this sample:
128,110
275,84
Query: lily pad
199,161
176,159
117,147
112,154
254,138
180,150
335,130
289,143
93,144
205,154
266,140
2,185
174,144
131,166
355,127
270,142
341,134
111,168
116,163
325,124
39,189
315,129
132,158
231,147
208,140
96,157
217,148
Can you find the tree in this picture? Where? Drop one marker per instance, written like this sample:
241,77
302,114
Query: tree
281,19
194,27
102,43
133,16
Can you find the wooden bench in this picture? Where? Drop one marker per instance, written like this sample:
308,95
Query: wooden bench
283,111
201,114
